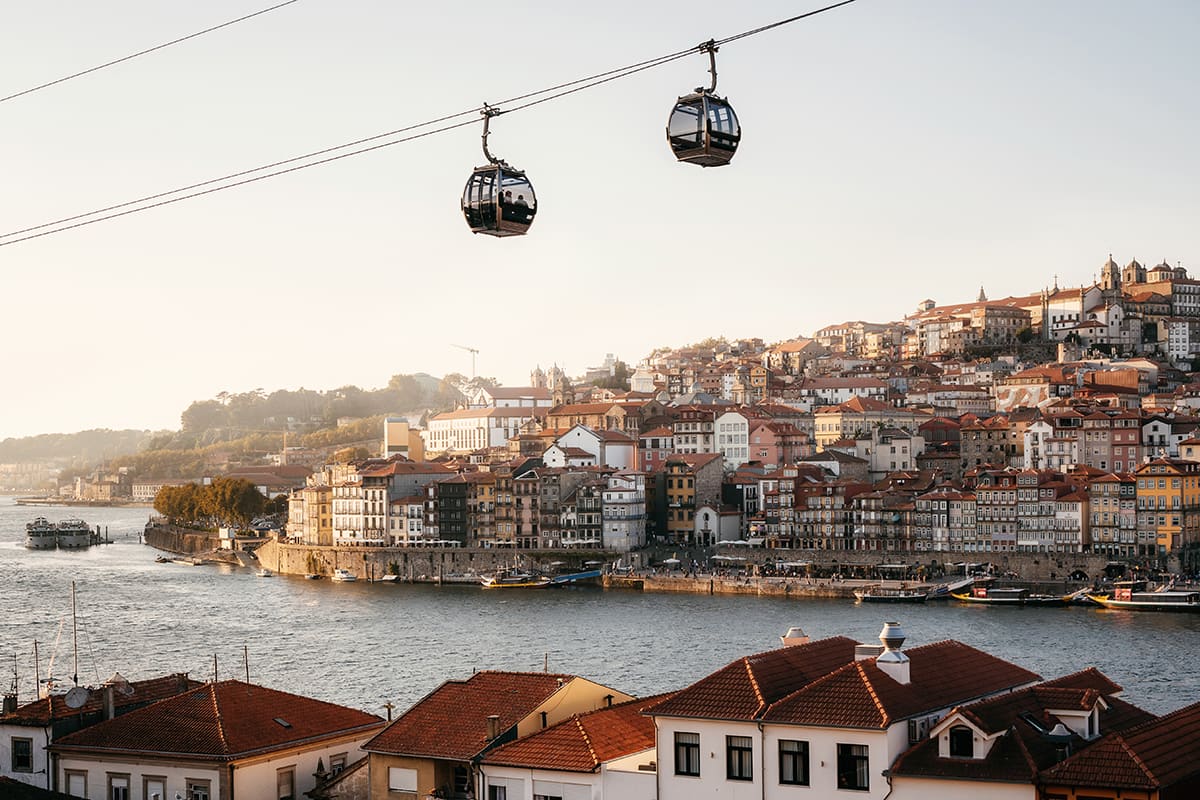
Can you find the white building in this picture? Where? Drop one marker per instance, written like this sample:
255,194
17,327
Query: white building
732,429
816,719
470,429
623,512
607,449
216,742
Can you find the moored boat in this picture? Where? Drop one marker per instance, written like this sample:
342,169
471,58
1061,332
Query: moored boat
1009,596
343,575
880,594
73,534
1133,596
264,573
41,534
514,579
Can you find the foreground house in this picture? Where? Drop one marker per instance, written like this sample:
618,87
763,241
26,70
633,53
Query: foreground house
216,742
602,754
27,730
828,716
435,747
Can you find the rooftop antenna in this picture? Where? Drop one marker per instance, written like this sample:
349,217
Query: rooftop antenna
214,667
74,637
246,659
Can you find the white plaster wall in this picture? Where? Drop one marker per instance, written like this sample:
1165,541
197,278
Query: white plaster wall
905,788
38,776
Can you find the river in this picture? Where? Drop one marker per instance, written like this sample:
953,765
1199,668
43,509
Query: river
364,645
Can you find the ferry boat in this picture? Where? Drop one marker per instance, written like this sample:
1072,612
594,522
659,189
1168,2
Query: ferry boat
990,595
343,575
41,534
880,594
1133,596
74,533
514,579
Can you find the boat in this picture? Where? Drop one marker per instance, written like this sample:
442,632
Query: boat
880,594
514,579
74,533
1009,596
194,561
311,576
343,575
569,578
1133,596
264,573
41,534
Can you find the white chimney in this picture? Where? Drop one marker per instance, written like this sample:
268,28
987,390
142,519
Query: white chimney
794,636
893,662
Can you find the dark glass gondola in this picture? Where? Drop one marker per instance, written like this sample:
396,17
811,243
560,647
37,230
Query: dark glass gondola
498,199
702,128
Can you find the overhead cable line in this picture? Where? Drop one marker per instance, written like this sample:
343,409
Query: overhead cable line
530,99
132,56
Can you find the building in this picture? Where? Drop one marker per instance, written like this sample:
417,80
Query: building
607,753
436,745
624,512
27,730
825,716
217,741
692,480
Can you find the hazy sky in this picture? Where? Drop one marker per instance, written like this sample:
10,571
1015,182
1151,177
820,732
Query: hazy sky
892,151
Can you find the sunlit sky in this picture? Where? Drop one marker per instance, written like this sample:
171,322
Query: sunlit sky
892,151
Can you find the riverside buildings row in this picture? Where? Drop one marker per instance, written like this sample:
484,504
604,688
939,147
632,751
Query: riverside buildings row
813,719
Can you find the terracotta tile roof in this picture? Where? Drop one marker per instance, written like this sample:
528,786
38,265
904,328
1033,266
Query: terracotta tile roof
224,721
451,721
38,713
694,460
743,689
861,695
661,431
1157,754
584,741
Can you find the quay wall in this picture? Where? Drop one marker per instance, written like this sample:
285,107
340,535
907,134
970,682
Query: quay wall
180,540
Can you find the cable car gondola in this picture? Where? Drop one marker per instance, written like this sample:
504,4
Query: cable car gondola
498,199
702,128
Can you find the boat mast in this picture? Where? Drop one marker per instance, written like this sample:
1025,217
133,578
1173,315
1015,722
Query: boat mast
74,636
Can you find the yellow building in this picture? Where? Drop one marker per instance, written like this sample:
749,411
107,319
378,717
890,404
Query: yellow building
1168,505
435,746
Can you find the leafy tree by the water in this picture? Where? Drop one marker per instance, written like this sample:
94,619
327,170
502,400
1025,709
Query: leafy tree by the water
225,501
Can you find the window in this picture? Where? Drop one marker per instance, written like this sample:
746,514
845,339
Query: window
852,766
118,787
402,780
154,788
687,753
22,755
285,784
793,762
197,789
497,793
77,782
739,758
962,742
337,763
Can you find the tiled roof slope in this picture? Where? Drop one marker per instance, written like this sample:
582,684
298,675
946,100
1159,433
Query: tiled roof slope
861,695
225,721
451,721
1022,751
744,688
585,741
1158,754
39,712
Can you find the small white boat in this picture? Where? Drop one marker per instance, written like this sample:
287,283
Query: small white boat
264,573
514,579
311,576
343,575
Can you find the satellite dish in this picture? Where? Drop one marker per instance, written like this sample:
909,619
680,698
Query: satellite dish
76,697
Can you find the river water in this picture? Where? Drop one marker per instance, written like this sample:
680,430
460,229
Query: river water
364,645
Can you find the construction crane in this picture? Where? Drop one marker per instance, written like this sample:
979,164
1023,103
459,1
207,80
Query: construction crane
473,353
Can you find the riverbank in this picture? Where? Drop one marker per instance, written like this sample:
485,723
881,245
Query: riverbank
59,501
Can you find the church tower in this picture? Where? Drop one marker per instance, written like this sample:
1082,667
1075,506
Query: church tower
537,378
1110,276
982,297
1133,273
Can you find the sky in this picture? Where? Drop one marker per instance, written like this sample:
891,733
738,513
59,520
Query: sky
891,152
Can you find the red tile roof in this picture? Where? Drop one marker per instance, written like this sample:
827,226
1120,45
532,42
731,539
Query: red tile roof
223,721
861,695
584,741
1155,755
451,721
38,713
744,688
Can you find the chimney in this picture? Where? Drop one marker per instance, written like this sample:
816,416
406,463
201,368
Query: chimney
110,709
10,703
493,726
794,636
893,662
